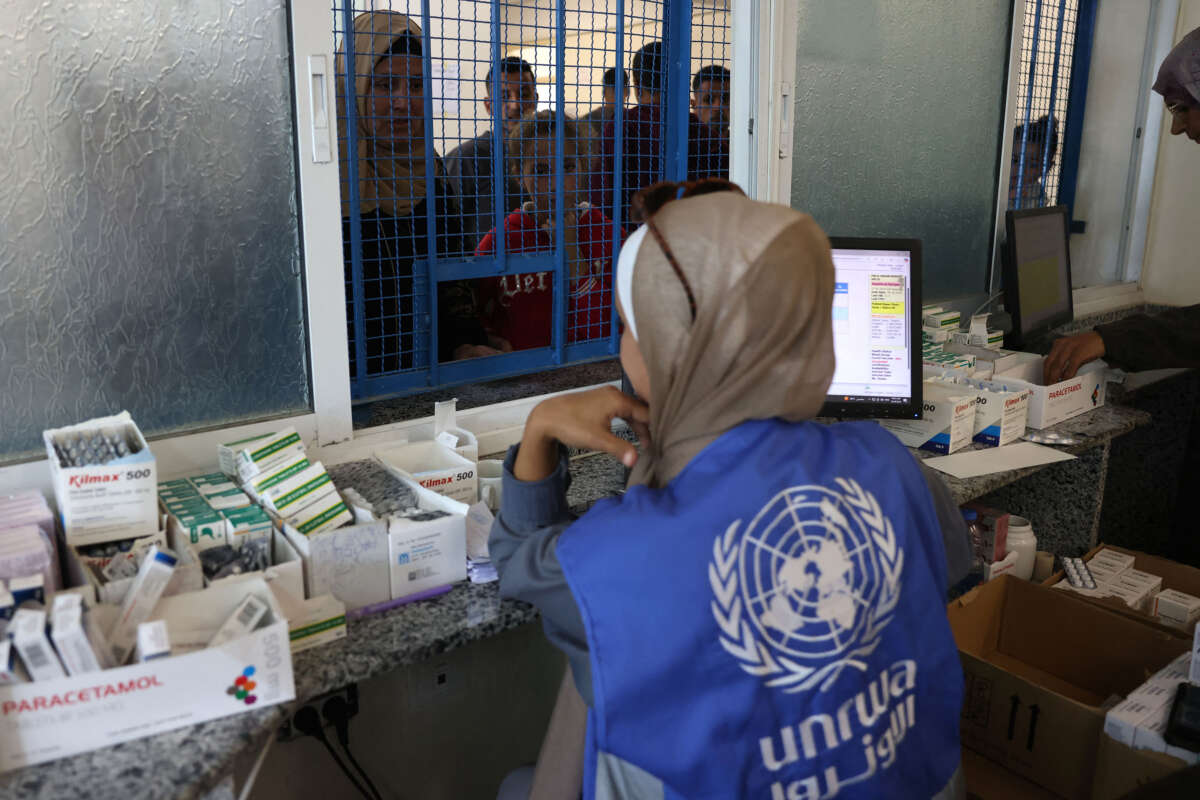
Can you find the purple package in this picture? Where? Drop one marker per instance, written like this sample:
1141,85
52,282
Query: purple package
23,551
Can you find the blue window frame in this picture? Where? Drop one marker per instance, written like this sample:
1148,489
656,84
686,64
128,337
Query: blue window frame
1056,46
475,227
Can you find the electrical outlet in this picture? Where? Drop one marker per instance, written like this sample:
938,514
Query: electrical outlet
441,677
287,731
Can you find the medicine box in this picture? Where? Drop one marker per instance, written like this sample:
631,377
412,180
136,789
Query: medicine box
1050,405
947,421
350,562
46,721
999,415
110,501
942,320
427,554
1176,608
433,466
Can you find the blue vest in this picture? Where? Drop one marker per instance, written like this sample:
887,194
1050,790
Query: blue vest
772,624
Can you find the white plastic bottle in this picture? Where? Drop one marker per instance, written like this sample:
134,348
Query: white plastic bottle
1022,541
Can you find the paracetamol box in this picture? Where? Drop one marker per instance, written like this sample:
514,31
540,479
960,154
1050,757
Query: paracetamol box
1049,405
433,466
52,719
947,422
110,501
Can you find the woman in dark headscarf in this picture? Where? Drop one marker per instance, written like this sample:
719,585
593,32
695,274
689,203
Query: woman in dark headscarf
393,205
1171,339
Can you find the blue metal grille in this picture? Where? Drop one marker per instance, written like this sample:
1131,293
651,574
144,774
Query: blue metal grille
1052,81
486,180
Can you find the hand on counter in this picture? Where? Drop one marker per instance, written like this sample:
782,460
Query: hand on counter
1070,353
583,420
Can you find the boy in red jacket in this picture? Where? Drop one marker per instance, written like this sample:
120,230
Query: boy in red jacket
519,308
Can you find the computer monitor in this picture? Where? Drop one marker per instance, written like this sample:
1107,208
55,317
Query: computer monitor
876,329
1037,273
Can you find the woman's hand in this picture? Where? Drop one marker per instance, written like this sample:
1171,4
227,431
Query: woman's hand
1070,353
582,420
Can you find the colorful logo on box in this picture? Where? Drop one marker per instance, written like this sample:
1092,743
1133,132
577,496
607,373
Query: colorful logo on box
243,687
1096,394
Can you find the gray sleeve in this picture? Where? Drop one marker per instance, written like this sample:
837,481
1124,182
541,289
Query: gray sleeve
954,529
523,544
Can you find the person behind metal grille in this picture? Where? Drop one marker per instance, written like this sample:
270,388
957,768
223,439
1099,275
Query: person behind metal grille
519,308
470,164
643,138
393,209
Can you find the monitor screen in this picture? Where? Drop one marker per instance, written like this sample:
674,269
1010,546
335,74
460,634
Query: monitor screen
875,329
1037,282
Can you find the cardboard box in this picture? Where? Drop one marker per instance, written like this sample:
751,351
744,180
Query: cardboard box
53,719
947,421
105,502
350,563
286,571
1039,666
427,554
1050,405
1001,360
311,622
1120,768
434,466
187,577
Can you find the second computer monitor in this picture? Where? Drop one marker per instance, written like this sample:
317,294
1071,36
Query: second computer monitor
1037,273
876,329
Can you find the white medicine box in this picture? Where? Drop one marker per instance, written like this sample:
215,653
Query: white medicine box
47,720
947,420
435,467
1050,405
424,554
104,502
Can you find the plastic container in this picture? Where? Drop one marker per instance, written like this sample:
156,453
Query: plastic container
1022,542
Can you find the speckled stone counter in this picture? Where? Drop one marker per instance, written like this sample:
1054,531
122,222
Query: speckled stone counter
194,761
1062,500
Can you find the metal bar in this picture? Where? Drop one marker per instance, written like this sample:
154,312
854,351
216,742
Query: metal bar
1062,11
1033,54
562,270
481,369
499,184
678,84
431,214
356,269
1085,31
618,166
459,269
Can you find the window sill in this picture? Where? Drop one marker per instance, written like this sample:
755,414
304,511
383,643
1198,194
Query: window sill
1099,299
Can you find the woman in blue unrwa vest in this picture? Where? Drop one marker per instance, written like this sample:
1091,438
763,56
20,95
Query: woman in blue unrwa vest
761,615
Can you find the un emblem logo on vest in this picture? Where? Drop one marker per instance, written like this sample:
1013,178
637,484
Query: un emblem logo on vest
807,587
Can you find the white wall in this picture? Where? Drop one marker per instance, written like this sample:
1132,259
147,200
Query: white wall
1109,124
1171,273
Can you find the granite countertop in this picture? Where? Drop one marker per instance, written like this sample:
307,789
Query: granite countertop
192,761
1098,426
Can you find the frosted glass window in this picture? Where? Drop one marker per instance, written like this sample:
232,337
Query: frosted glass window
150,255
899,106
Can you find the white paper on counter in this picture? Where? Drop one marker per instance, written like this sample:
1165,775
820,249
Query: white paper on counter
974,463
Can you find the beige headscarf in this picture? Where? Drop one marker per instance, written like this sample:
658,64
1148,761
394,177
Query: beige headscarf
391,175
761,345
